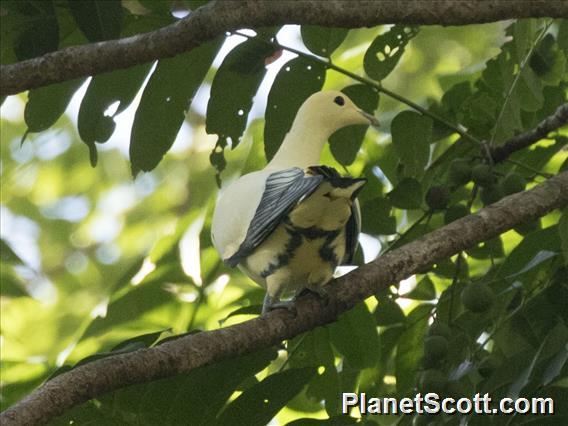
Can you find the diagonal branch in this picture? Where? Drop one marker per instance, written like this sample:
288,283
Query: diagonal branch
197,350
524,140
218,17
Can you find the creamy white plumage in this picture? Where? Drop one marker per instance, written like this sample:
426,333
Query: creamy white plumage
291,224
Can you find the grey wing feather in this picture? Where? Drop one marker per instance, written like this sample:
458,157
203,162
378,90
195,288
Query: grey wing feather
283,190
352,230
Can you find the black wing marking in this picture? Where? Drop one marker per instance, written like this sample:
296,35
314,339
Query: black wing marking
283,190
352,235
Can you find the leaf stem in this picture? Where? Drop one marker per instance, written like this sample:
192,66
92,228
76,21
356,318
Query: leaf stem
529,168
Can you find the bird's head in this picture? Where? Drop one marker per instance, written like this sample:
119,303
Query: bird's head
333,110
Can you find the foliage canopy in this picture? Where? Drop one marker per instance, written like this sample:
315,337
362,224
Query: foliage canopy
95,262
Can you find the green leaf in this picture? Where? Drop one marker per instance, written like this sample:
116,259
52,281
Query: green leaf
407,194
332,421
510,122
165,100
94,123
530,91
46,104
386,50
424,290
563,36
180,399
345,142
410,348
356,337
549,61
555,338
11,285
322,40
563,232
377,217
142,341
492,248
555,366
245,310
293,84
7,254
542,240
313,349
259,404
388,312
411,136
98,20
132,305
454,98
39,31
235,85
523,35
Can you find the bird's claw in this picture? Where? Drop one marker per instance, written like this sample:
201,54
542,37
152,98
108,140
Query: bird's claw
270,304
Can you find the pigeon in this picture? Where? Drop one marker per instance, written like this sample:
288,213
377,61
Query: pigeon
289,225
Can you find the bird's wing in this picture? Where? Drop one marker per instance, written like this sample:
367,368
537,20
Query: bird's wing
283,190
352,230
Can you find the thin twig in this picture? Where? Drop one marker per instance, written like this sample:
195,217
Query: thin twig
522,66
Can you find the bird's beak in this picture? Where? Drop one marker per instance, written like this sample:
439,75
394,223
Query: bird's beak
373,121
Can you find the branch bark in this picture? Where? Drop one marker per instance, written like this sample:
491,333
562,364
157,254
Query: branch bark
524,140
197,350
218,17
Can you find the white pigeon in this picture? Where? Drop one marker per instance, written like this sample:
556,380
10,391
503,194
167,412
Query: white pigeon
289,225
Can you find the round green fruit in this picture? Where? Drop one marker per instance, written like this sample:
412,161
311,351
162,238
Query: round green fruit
513,183
435,347
455,212
437,197
488,365
459,172
457,389
432,380
483,175
477,297
440,329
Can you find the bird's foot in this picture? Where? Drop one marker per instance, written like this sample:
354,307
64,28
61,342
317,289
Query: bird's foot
320,290
271,303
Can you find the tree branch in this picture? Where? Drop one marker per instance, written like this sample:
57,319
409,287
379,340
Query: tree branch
187,353
524,140
218,17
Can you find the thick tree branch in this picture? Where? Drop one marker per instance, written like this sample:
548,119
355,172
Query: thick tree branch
219,17
524,140
197,350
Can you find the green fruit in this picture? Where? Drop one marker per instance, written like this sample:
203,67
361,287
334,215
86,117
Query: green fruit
435,350
488,365
477,297
490,195
457,389
483,175
440,329
513,183
455,212
435,347
432,380
437,197
459,172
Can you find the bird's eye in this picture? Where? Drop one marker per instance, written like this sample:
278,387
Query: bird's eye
339,100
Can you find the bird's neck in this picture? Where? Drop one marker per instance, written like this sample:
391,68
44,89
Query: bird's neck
302,145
